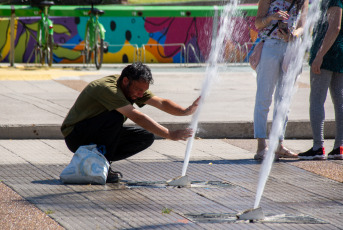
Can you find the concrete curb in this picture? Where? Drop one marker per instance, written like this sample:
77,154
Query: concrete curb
210,130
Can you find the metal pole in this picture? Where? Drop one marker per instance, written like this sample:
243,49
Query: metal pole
12,36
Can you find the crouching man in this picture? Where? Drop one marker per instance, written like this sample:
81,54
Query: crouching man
100,110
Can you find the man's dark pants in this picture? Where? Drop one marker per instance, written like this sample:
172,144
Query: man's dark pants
107,129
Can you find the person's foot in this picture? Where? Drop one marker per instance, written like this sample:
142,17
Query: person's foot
336,154
283,152
259,156
311,154
113,176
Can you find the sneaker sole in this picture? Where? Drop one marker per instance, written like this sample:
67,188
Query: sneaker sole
317,157
335,157
288,157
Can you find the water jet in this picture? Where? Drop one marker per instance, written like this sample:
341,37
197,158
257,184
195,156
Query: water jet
227,25
294,57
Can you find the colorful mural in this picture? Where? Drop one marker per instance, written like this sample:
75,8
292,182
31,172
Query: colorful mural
149,39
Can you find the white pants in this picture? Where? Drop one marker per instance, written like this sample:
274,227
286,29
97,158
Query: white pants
269,78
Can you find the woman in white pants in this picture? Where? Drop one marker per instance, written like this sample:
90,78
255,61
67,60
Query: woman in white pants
269,70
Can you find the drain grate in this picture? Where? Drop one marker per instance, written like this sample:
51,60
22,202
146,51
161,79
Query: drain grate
163,184
294,219
149,184
211,184
211,217
269,218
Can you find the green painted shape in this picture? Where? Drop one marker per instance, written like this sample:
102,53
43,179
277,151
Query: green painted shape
20,47
66,53
127,11
70,11
5,11
25,11
32,26
61,29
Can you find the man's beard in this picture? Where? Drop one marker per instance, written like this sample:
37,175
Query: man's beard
127,93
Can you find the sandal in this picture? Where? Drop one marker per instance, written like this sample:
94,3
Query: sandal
283,152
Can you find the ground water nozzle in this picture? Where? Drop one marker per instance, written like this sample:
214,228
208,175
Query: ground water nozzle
181,181
251,214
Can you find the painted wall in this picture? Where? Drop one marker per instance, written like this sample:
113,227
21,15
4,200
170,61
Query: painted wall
123,34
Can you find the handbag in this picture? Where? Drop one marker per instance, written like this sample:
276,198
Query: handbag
88,166
255,56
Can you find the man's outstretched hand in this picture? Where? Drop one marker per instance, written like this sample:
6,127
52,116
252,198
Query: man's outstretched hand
181,134
193,107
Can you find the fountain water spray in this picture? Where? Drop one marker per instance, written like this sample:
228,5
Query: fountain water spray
294,56
211,75
216,56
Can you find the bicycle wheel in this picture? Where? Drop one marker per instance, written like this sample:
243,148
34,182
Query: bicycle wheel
87,49
49,47
98,49
40,53
44,47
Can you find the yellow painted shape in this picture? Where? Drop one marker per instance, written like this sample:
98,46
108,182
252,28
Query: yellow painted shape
78,60
150,57
5,51
117,57
24,73
153,53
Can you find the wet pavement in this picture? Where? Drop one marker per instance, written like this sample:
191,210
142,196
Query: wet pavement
298,194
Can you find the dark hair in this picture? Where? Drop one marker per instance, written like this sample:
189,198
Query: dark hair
137,72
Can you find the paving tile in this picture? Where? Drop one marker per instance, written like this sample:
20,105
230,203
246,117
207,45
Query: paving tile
32,168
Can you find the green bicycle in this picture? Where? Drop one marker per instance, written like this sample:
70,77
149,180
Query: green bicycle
45,33
95,36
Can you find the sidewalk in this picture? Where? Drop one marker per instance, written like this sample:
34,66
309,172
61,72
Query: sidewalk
36,101
224,179
298,194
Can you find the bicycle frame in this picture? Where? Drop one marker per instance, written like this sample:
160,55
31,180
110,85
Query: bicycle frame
45,35
92,24
45,24
94,38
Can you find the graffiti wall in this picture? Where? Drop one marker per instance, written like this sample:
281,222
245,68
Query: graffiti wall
148,39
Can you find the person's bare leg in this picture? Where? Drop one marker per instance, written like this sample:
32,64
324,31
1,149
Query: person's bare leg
261,144
261,149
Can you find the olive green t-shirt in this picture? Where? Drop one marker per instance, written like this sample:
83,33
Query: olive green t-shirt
99,96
